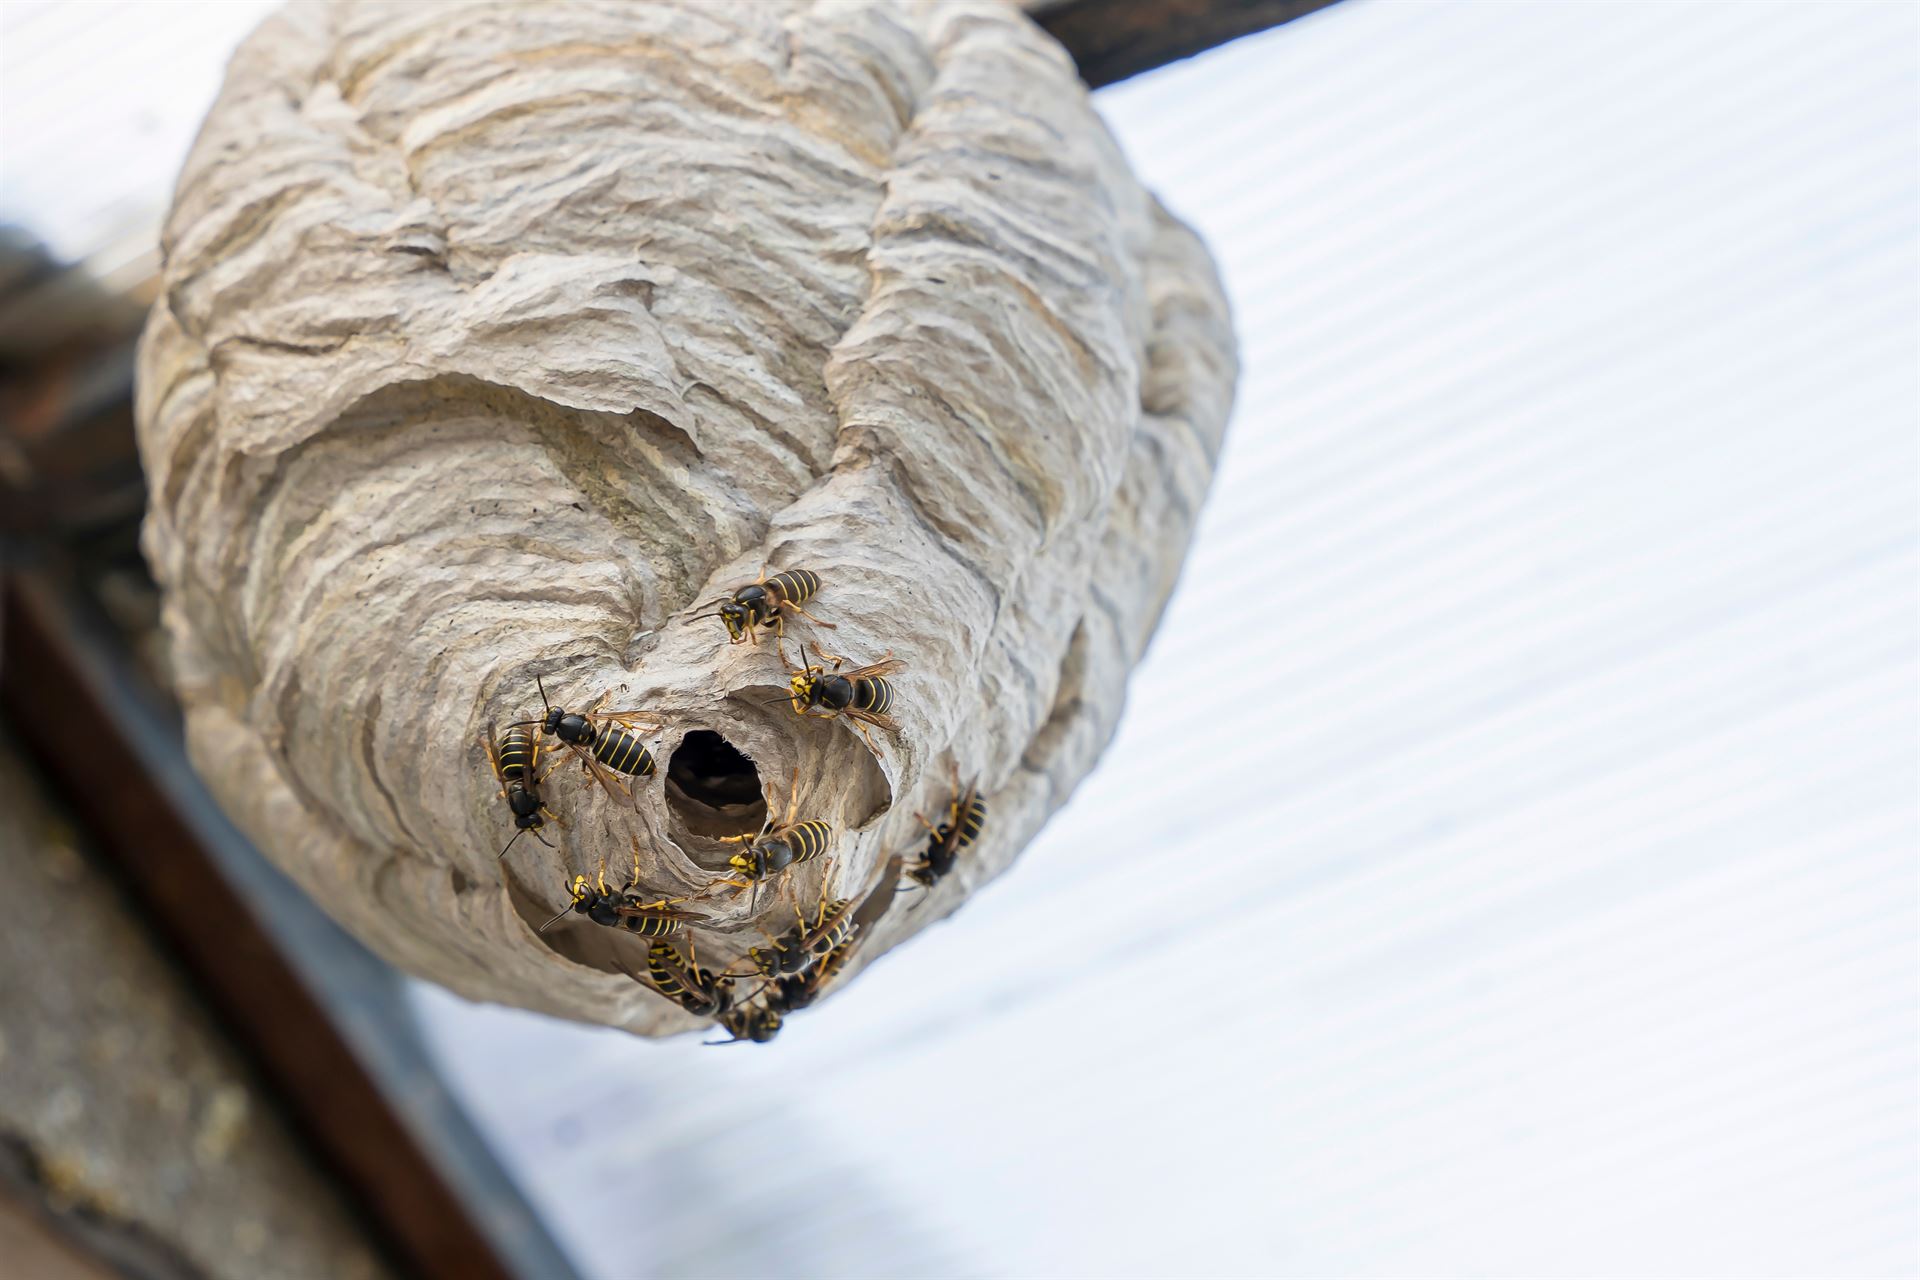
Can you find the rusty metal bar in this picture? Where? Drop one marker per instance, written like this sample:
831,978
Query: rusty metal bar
1111,40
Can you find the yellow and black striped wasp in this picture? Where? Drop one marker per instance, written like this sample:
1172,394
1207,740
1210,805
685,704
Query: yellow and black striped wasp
622,908
759,1018
607,742
516,766
863,694
966,816
777,845
765,603
799,990
796,950
680,978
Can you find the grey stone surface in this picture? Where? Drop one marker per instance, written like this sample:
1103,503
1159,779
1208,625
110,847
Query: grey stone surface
127,1100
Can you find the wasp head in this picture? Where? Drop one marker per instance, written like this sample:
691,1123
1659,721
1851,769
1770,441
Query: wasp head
737,620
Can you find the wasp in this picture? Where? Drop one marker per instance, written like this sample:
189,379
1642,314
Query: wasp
516,766
799,990
680,979
862,694
777,845
751,1023
760,1022
622,908
607,742
798,948
966,815
766,603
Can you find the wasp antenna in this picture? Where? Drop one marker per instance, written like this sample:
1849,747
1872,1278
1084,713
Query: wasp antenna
516,835
541,686
537,836
554,918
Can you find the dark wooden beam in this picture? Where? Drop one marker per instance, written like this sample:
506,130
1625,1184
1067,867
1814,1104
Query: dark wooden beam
322,1021
1111,40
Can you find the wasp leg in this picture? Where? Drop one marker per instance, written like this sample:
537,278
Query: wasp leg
818,622
793,798
863,733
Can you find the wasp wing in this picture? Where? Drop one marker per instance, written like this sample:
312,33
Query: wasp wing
885,723
604,776
884,667
656,910
632,719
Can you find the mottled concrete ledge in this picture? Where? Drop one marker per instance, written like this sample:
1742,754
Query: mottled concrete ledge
118,1099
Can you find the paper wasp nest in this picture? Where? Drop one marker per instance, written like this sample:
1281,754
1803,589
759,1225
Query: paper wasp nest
495,338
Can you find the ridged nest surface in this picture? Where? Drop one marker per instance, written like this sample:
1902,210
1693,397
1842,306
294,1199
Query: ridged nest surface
497,338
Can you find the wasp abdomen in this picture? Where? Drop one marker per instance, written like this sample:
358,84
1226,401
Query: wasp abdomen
622,751
650,926
972,821
516,754
873,694
835,933
795,585
808,840
710,995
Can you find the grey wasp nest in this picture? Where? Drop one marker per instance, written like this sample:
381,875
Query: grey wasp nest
497,341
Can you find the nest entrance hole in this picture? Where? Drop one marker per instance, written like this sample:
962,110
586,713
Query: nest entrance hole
713,787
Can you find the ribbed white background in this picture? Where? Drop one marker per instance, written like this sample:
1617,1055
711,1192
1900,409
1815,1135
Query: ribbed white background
1507,864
